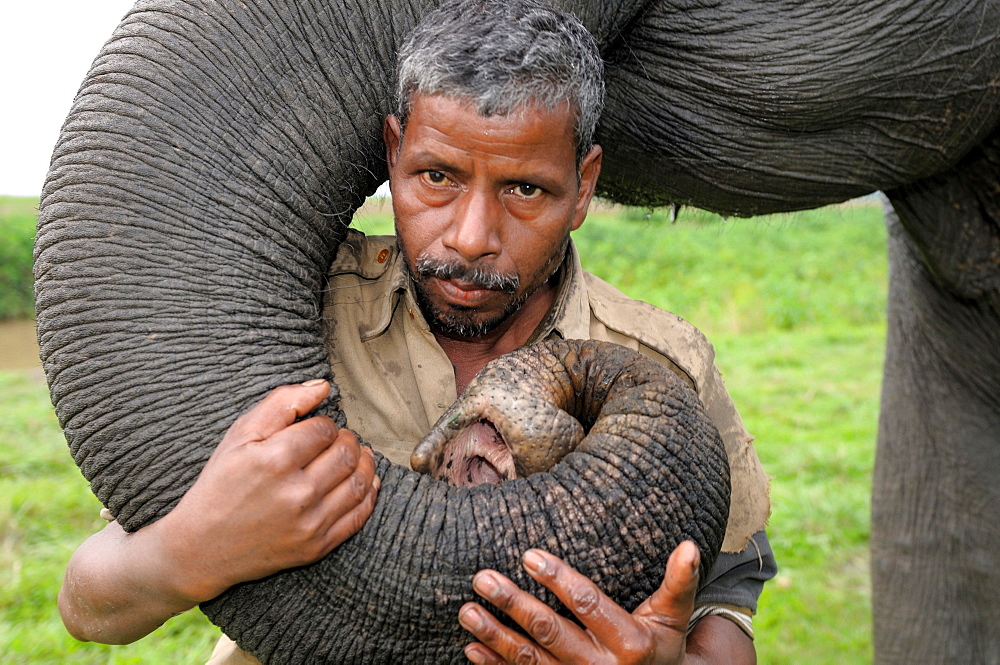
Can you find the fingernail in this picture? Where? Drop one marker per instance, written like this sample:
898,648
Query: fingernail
471,619
486,585
474,656
313,382
376,483
534,561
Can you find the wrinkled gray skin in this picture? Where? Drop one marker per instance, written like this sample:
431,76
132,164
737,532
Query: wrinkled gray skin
650,472
217,150
525,411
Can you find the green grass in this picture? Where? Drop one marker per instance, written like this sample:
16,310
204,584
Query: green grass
17,235
795,307
46,510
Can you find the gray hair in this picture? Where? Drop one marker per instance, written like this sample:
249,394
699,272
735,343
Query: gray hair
503,55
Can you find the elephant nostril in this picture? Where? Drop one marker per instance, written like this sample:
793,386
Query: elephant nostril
476,455
480,471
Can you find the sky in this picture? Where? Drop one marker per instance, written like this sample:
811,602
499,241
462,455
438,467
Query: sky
46,48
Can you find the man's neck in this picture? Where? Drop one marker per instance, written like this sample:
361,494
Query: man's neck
468,355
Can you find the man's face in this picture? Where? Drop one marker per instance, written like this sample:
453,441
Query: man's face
484,206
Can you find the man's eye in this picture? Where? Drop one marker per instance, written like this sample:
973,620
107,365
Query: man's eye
435,178
526,191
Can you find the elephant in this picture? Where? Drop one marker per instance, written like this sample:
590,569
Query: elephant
216,151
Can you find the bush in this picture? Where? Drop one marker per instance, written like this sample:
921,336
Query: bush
17,236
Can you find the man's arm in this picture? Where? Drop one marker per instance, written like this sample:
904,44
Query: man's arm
718,641
656,632
275,494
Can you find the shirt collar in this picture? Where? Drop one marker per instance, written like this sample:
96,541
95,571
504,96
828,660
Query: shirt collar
569,317
376,260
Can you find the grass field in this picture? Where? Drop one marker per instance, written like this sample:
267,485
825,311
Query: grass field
795,307
17,233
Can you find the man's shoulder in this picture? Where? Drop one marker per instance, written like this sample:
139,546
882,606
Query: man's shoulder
364,256
661,331
361,282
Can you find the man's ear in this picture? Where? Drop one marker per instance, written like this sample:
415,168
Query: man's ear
590,169
392,135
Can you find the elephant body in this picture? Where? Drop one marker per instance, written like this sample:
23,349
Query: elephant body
216,151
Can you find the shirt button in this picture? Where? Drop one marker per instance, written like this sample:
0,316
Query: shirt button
382,256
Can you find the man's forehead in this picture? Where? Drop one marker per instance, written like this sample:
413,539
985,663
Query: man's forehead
439,122
470,104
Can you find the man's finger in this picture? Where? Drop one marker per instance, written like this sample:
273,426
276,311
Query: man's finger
673,603
308,441
279,409
334,461
340,483
609,623
350,521
508,644
477,652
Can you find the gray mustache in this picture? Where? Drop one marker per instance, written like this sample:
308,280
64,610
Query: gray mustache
480,277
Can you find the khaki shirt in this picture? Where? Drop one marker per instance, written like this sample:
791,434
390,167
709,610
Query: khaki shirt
396,381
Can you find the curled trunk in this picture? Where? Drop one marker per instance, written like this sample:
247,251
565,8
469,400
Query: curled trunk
650,472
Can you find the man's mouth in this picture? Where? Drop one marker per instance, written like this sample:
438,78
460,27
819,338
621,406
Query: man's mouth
466,294
466,277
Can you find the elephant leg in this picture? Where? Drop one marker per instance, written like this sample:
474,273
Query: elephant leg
935,531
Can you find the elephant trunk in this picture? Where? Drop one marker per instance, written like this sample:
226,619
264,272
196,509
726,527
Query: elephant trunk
199,188
650,473
541,405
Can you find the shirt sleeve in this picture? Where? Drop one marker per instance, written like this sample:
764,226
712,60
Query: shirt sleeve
734,583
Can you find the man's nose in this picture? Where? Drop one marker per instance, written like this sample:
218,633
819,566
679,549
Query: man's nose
474,229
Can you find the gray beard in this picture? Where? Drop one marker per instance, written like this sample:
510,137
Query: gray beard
459,321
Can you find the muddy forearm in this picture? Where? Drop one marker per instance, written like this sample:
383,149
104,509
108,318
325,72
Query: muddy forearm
119,587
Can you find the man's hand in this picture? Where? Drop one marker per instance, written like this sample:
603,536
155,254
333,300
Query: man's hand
654,633
275,494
